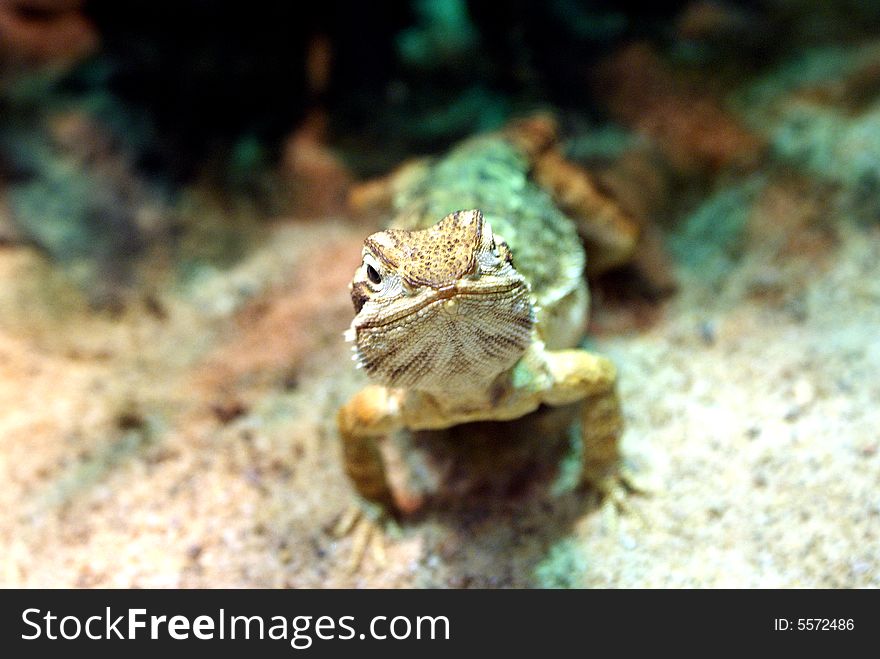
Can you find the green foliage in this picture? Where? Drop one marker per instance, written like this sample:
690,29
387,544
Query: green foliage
444,33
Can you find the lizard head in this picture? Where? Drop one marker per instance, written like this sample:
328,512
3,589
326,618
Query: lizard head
440,309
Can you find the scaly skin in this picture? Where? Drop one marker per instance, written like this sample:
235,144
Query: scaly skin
473,318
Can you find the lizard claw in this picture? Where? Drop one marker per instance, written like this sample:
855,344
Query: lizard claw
368,534
613,497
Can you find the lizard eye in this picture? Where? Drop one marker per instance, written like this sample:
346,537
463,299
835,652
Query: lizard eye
373,275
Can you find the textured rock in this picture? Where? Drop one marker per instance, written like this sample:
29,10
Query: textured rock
691,128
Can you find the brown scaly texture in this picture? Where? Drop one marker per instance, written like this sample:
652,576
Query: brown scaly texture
461,316
451,346
610,234
436,256
492,173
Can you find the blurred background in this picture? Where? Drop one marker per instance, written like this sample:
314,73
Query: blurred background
180,217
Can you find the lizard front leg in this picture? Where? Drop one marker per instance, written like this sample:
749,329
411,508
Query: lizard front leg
577,375
364,421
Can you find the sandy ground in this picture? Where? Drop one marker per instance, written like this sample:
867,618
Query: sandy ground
187,442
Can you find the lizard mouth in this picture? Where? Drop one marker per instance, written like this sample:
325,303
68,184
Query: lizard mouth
461,289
